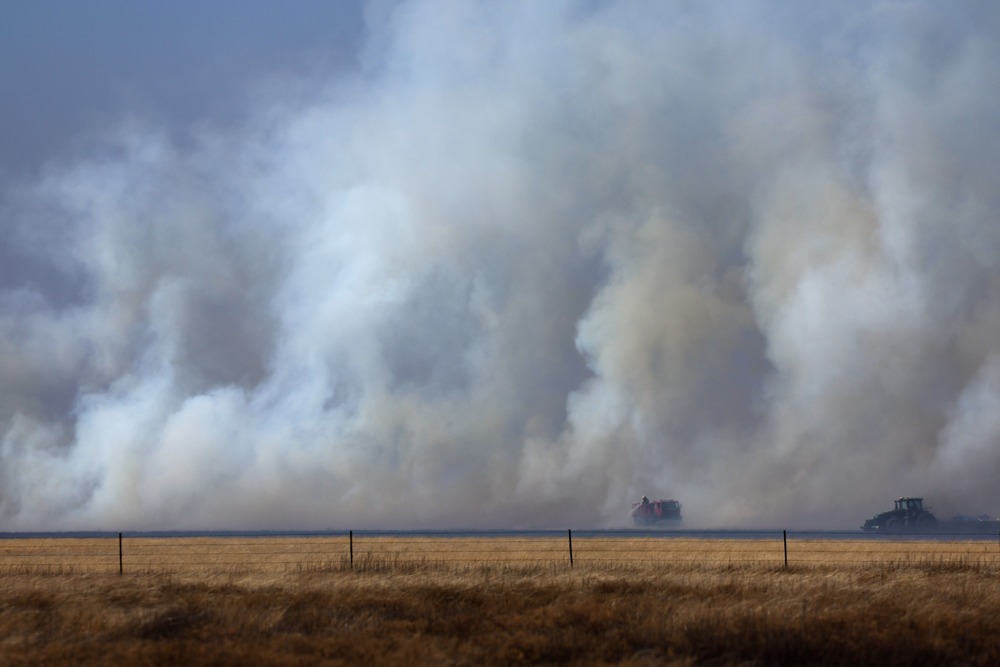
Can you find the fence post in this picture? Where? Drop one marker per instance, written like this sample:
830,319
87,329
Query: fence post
121,568
570,531
784,538
350,537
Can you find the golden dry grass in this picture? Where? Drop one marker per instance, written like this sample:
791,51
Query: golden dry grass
462,601
201,555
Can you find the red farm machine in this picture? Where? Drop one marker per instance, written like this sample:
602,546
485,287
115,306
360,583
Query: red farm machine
651,512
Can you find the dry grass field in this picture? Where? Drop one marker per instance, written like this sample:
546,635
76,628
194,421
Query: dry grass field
490,601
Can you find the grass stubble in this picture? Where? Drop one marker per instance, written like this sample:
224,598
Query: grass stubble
710,603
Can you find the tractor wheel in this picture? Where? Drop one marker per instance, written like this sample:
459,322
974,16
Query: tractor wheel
893,525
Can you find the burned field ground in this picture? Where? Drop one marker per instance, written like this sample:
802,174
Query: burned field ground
291,601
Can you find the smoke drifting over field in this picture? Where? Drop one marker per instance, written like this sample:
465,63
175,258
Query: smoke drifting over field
527,263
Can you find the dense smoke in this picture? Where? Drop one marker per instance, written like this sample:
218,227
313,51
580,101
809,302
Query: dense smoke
530,261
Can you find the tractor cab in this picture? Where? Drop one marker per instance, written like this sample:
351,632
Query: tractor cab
910,505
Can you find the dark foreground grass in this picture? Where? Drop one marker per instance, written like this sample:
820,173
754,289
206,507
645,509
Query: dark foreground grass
501,615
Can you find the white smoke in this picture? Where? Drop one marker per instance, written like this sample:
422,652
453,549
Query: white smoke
530,262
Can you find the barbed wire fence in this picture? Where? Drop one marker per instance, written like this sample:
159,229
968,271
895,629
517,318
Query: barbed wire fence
368,551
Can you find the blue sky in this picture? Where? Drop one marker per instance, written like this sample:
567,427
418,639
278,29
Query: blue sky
68,68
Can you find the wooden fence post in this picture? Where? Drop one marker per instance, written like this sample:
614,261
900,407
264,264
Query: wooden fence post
121,568
570,531
784,538
350,537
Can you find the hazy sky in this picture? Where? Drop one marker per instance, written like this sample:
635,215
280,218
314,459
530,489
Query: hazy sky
69,68
496,264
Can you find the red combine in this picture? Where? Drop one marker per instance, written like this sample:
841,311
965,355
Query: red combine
650,512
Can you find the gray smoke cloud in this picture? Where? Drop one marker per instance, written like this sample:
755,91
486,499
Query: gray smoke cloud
528,263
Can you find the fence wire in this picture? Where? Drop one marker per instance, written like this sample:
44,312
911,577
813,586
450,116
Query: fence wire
127,553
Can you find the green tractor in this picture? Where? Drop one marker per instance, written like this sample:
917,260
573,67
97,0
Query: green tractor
909,516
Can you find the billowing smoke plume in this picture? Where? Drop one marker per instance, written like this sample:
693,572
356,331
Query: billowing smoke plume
530,261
